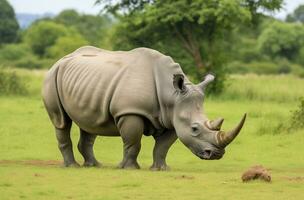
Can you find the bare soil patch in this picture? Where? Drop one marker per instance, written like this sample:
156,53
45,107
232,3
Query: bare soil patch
184,177
39,163
295,179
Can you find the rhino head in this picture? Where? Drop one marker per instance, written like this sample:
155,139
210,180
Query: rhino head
203,137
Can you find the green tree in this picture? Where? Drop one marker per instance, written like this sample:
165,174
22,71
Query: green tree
93,28
281,39
197,29
8,24
42,35
65,45
297,15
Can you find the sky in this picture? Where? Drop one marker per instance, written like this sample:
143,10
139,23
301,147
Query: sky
87,6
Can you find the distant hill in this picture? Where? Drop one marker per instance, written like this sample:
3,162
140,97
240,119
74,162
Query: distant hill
26,19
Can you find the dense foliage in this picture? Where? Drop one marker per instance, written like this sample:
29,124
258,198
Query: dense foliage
297,15
194,33
203,36
8,24
11,83
298,116
48,39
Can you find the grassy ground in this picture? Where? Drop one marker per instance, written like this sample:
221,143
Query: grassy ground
30,161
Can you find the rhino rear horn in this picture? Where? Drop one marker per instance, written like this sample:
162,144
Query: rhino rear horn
216,124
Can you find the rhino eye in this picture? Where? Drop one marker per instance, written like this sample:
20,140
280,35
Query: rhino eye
195,130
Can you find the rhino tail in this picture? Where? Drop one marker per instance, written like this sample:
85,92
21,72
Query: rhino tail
51,99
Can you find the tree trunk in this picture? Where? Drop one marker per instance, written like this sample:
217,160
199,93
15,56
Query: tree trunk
192,47
198,60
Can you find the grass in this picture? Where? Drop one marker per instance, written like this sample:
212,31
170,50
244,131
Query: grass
29,156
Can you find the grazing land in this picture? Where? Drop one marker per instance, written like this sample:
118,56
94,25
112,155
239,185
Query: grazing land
30,162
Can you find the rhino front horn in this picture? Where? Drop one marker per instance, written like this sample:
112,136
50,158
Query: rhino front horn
226,138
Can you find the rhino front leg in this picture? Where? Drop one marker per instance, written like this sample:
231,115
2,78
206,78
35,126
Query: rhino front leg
131,128
161,147
85,147
65,146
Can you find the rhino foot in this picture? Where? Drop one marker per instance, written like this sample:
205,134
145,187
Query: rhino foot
159,167
71,165
129,165
92,164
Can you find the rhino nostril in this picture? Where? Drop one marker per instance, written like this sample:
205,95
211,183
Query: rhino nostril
207,153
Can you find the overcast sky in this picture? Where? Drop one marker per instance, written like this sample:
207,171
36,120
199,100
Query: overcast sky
87,6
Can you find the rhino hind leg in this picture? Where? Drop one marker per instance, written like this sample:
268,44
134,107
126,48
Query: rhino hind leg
85,147
161,147
131,129
65,145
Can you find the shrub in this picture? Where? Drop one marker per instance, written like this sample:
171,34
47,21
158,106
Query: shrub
297,117
254,67
32,62
11,83
65,45
13,52
43,34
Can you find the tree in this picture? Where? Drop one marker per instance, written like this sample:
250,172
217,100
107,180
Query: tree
199,28
282,40
65,45
42,35
297,15
92,27
8,24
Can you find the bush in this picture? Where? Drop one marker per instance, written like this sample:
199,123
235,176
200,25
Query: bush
254,67
11,83
281,40
297,70
32,62
66,45
13,52
43,34
20,56
279,66
297,117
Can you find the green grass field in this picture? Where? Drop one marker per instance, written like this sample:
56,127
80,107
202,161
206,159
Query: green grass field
30,161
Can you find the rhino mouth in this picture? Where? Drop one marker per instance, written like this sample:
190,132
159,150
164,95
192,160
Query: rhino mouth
211,154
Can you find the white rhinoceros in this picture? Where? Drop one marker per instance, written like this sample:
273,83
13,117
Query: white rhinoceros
128,94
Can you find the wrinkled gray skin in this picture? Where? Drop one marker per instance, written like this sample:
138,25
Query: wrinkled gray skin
128,94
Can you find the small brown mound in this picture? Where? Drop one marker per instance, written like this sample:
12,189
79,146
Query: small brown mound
256,172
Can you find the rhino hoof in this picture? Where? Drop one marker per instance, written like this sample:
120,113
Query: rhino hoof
128,165
71,165
159,168
92,164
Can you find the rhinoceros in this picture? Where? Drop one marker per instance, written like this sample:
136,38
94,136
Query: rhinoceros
128,94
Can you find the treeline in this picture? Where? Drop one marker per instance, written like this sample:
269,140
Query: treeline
203,36
273,47
48,39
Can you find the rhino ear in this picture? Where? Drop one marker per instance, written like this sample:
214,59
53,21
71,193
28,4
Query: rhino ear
178,82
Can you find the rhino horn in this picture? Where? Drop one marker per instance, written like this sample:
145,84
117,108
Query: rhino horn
215,124
223,139
208,78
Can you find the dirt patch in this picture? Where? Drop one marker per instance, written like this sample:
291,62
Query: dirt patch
40,163
296,178
184,177
38,175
